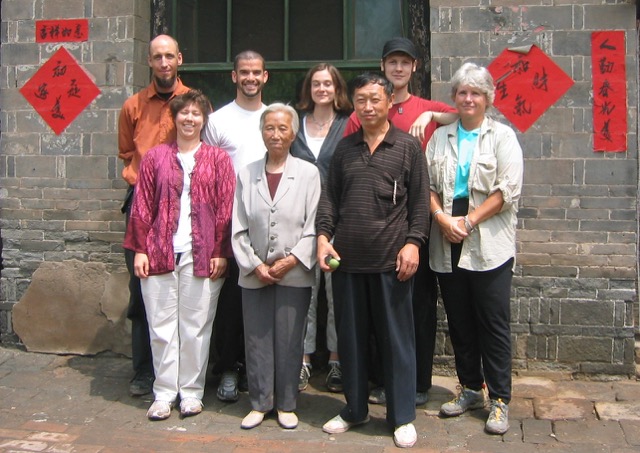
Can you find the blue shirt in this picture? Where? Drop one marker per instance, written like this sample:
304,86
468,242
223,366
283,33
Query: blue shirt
467,141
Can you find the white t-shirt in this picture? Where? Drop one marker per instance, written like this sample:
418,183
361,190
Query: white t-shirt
182,237
237,131
314,143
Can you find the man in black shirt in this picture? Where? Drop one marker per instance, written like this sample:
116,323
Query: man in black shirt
375,208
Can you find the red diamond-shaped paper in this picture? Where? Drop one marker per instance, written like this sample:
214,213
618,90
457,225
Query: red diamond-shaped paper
527,82
60,90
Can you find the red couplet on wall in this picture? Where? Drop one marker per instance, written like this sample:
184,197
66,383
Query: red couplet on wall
609,91
527,82
62,30
60,90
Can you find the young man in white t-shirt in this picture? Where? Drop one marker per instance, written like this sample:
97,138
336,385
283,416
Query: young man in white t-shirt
236,129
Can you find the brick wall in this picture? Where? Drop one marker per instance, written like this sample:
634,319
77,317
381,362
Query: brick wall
576,278
61,194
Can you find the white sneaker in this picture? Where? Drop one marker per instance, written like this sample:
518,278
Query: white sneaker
190,406
405,436
159,410
339,425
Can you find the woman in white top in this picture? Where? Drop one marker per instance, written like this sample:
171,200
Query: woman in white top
326,107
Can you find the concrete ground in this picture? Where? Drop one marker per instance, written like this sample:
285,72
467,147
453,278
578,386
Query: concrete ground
52,403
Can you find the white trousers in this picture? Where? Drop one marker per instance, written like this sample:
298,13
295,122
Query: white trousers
312,315
180,310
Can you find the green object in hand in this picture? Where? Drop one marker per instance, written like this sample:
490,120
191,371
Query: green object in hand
331,262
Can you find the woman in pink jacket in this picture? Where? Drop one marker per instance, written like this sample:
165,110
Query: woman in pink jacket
180,230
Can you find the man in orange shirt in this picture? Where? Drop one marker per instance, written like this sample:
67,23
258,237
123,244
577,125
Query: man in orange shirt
145,121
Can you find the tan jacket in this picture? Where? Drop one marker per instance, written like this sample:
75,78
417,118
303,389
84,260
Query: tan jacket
497,164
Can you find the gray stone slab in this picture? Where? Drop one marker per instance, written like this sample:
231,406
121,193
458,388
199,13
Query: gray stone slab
532,387
619,410
631,430
593,432
538,432
587,390
628,390
563,409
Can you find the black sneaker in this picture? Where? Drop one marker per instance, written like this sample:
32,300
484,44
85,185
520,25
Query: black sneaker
228,388
305,375
141,384
334,378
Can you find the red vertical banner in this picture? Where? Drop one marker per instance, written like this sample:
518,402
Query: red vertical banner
609,91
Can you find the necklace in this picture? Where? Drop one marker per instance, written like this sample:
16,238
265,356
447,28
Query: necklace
321,124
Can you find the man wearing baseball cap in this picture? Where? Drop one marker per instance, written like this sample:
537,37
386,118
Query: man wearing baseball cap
420,117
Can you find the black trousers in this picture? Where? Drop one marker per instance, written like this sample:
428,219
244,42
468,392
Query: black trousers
381,302
425,321
425,311
228,327
142,360
479,316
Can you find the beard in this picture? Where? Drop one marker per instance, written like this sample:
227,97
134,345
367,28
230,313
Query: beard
165,83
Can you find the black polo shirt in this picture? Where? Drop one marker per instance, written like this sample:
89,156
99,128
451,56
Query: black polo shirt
374,204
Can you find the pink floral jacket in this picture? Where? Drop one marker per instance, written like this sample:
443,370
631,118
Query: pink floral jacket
156,207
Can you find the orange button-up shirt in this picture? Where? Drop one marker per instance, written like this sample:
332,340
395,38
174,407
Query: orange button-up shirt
145,121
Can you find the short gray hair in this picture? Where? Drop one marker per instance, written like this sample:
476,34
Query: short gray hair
475,76
280,107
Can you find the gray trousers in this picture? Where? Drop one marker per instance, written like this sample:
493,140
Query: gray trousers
274,321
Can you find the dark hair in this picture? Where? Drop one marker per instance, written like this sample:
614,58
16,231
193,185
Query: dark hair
341,102
247,55
369,78
191,97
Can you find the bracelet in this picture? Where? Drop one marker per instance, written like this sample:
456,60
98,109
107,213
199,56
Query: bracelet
470,228
436,212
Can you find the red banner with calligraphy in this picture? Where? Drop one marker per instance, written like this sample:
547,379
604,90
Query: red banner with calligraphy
60,90
609,91
528,82
62,30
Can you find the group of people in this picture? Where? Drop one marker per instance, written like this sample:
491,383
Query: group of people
243,214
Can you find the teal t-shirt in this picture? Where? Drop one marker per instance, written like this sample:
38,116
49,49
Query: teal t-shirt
466,144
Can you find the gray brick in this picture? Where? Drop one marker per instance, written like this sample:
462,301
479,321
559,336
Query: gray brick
63,9
608,272
582,260
112,9
587,225
572,349
587,313
498,19
574,146
35,166
459,44
543,171
17,9
606,203
546,271
21,54
556,18
571,43
86,167
608,17
622,238
65,144
609,172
